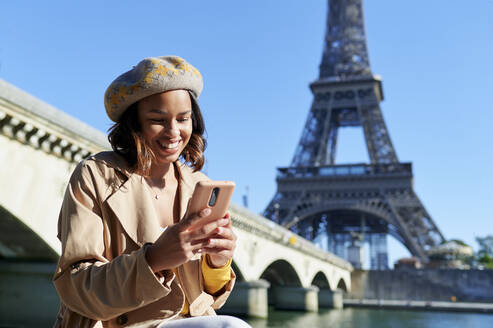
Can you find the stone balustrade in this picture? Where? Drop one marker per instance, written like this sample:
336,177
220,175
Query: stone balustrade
33,122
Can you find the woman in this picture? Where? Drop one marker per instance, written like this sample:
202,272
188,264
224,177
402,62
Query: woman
131,254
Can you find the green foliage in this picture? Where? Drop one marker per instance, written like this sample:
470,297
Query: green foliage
486,260
484,256
458,241
485,246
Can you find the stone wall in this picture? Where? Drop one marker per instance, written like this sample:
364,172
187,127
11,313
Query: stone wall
423,284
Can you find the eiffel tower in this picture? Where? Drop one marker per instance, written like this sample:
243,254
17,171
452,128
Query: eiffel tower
343,206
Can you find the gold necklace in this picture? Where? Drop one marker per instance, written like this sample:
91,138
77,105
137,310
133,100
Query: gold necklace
151,188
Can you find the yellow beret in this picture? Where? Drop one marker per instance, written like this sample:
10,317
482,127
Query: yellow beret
150,76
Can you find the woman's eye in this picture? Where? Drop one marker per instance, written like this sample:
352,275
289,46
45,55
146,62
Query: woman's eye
156,120
183,119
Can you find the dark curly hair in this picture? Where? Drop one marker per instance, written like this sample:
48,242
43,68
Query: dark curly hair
126,139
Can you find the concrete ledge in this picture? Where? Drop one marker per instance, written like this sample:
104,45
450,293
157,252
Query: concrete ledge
421,305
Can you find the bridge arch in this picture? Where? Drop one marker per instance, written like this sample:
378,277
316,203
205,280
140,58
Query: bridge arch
281,273
238,273
18,241
320,280
373,208
342,285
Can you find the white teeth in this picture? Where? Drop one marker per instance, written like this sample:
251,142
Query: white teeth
169,146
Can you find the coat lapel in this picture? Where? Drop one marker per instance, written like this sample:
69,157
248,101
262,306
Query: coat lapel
132,205
185,188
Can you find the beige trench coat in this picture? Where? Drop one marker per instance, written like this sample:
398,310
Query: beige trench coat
103,278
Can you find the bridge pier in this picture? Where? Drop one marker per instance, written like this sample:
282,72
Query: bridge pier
297,298
332,299
248,298
28,296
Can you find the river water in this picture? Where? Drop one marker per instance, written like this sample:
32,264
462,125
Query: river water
373,318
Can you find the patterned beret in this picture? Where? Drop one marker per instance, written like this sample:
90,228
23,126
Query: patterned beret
150,76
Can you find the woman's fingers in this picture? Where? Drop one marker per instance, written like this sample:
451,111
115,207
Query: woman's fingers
220,243
220,246
206,230
226,232
216,241
223,254
192,220
199,244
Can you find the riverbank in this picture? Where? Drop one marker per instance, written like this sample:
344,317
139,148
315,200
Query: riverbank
421,305
371,318
440,285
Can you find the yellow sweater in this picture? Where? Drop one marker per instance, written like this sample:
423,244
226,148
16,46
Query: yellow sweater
214,278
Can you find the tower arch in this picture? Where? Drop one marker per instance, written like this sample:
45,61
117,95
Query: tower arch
378,219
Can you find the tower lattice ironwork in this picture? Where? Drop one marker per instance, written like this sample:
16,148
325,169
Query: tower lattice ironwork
329,203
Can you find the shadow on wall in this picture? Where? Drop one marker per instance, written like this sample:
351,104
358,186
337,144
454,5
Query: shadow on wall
19,242
27,263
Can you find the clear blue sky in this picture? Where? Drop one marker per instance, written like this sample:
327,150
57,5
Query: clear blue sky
257,58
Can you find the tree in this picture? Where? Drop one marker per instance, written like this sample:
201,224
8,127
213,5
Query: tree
485,245
484,255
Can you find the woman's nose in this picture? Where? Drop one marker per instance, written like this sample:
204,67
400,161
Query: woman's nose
172,130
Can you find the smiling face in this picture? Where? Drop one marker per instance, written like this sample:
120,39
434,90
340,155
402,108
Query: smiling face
166,124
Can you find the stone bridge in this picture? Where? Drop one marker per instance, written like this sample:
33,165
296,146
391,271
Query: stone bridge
40,146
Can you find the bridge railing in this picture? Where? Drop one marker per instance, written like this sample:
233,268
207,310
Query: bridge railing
345,170
258,225
33,122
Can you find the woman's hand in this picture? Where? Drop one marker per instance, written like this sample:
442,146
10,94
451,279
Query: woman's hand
221,245
181,241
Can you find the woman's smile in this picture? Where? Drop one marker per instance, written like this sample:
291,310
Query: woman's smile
169,147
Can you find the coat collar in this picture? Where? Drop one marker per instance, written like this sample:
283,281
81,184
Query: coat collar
132,202
185,188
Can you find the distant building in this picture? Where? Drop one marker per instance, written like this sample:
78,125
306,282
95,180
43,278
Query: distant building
453,254
408,263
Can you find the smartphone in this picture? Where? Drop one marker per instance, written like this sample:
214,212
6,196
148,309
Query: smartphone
213,194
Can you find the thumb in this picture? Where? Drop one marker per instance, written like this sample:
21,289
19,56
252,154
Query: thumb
194,218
